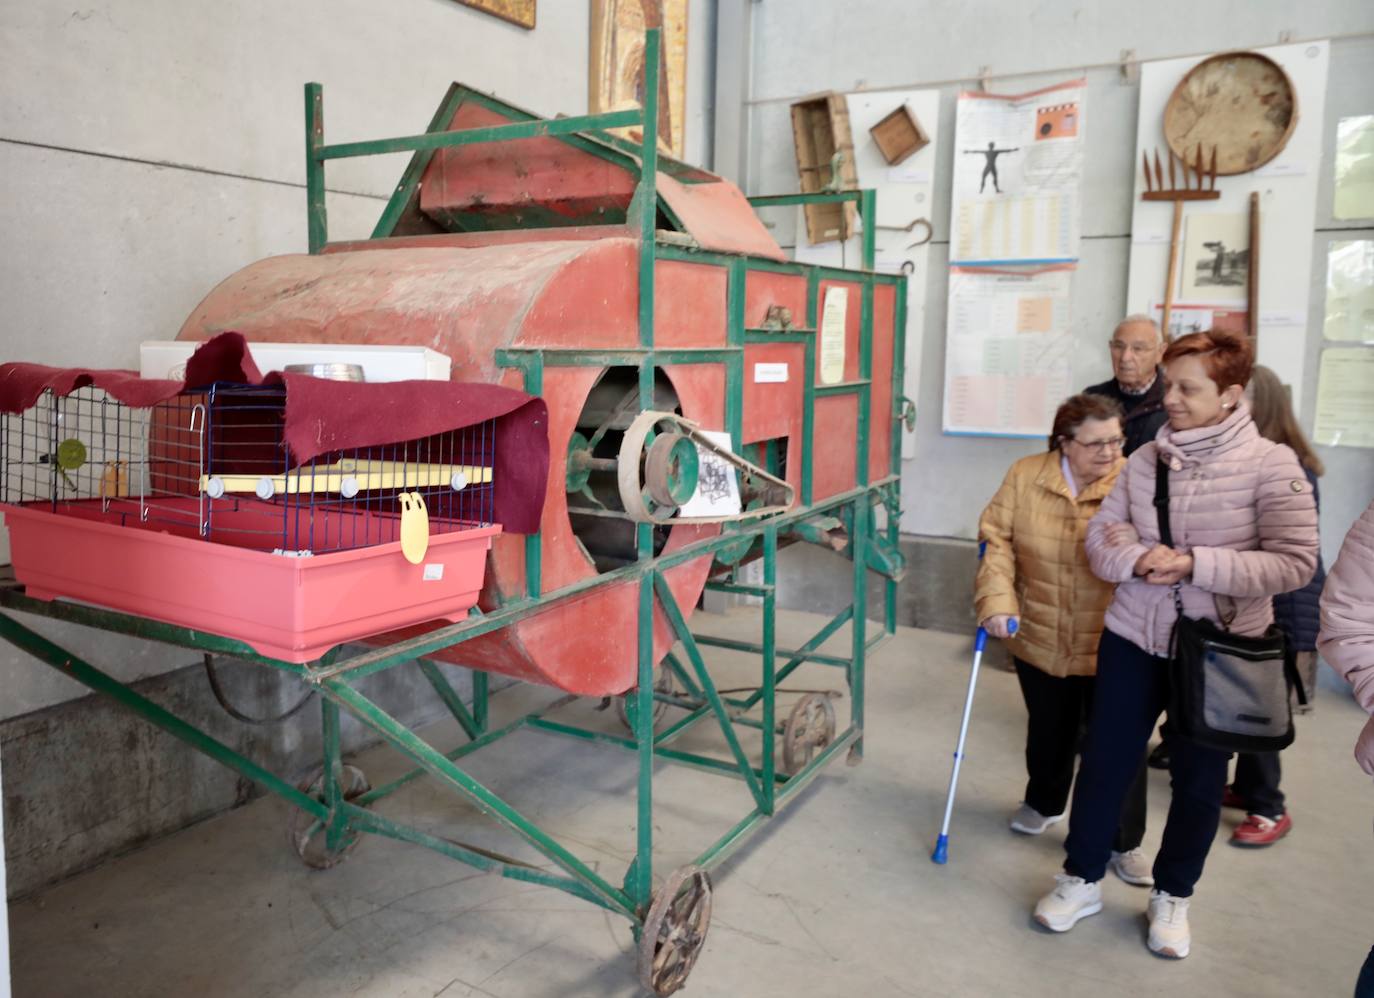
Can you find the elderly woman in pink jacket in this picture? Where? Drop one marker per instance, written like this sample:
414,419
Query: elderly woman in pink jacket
1346,642
1245,528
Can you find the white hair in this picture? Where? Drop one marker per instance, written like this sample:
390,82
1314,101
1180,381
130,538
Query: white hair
1142,318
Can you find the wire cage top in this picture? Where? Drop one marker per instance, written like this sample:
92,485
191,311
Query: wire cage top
215,464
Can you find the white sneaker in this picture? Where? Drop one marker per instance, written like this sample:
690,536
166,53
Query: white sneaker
1133,867
1028,821
1168,917
1072,898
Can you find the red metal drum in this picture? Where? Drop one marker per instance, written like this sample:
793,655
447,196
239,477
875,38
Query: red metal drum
468,301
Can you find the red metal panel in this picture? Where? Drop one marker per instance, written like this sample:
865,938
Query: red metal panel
880,425
833,463
508,179
763,289
718,217
693,315
773,409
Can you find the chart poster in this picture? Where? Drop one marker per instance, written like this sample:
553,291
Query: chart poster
1009,350
1345,398
1018,169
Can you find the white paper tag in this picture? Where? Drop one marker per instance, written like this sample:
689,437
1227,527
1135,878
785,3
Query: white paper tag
434,572
770,373
832,335
717,491
1281,317
1281,170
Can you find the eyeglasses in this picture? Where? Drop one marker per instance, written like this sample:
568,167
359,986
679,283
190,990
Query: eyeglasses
1101,446
1139,349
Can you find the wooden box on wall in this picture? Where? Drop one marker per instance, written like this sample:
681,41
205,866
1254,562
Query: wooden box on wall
820,129
899,135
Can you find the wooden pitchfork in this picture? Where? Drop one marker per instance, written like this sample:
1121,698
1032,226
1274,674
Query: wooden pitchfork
1206,190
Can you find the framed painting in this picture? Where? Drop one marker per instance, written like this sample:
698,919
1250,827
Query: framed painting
617,63
519,12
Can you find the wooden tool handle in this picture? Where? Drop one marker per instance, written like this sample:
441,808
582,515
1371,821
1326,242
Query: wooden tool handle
1252,274
1173,266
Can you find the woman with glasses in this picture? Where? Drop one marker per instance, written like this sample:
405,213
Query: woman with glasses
1035,571
1244,524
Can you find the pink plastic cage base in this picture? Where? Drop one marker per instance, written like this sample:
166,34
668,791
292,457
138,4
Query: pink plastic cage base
284,607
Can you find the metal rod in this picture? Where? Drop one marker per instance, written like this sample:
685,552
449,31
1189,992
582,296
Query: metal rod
472,136
679,625
316,217
437,765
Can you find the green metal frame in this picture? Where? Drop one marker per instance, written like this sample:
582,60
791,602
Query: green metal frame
340,818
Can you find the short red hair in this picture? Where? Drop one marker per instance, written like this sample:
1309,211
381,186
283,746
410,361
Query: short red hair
1228,357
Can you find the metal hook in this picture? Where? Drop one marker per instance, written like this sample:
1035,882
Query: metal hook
930,232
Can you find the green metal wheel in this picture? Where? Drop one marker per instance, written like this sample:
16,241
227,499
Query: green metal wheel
307,834
670,469
663,683
675,930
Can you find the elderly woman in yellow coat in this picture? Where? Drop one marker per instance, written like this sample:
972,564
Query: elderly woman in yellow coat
1035,571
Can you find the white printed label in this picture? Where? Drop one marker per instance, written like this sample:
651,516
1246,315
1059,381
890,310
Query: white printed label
832,335
770,373
434,572
717,492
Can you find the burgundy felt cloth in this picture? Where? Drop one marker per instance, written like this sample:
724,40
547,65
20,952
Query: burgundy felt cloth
324,416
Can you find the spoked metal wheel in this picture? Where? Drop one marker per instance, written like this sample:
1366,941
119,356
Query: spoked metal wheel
675,930
306,833
809,728
663,683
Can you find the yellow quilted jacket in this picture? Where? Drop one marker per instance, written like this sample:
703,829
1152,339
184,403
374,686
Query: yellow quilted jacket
1035,567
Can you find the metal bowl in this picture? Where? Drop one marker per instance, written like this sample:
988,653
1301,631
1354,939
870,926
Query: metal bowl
330,372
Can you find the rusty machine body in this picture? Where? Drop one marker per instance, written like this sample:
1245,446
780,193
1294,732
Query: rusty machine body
650,308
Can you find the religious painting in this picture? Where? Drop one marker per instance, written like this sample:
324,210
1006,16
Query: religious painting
519,12
617,63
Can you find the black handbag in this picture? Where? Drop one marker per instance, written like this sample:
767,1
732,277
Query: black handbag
1226,691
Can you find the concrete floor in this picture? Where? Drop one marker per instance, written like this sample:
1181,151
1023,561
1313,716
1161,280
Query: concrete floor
837,897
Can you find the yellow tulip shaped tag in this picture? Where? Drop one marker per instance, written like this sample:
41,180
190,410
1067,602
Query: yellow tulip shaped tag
414,527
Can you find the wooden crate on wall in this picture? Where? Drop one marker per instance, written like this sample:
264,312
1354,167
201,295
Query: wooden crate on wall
820,129
899,135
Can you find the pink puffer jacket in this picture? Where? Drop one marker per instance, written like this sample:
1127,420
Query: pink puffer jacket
1240,504
1347,635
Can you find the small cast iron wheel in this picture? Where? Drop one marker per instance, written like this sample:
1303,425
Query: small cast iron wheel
675,930
809,727
670,469
306,833
663,683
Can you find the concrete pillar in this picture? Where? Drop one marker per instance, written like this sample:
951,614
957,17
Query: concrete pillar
734,51
4,908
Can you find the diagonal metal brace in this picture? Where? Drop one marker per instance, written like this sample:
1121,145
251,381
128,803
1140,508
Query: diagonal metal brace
679,624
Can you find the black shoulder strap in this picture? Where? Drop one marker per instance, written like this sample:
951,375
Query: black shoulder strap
1166,536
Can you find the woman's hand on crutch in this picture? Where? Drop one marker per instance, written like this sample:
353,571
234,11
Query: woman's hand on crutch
1000,625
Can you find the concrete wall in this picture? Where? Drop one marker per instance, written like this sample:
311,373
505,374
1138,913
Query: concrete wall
149,150
800,48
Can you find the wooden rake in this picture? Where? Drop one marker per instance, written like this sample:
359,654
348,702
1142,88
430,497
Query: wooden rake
1206,190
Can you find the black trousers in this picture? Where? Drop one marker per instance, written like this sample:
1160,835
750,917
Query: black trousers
1257,783
1132,691
1058,708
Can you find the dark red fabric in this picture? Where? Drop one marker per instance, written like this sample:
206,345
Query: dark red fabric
324,416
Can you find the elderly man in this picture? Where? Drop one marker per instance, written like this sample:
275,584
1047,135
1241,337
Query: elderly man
1137,346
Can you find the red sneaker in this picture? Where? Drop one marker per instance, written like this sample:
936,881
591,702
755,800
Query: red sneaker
1257,830
1230,798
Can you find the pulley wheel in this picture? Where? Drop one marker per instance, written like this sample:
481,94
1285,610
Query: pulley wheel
810,726
675,930
670,469
306,833
663,683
